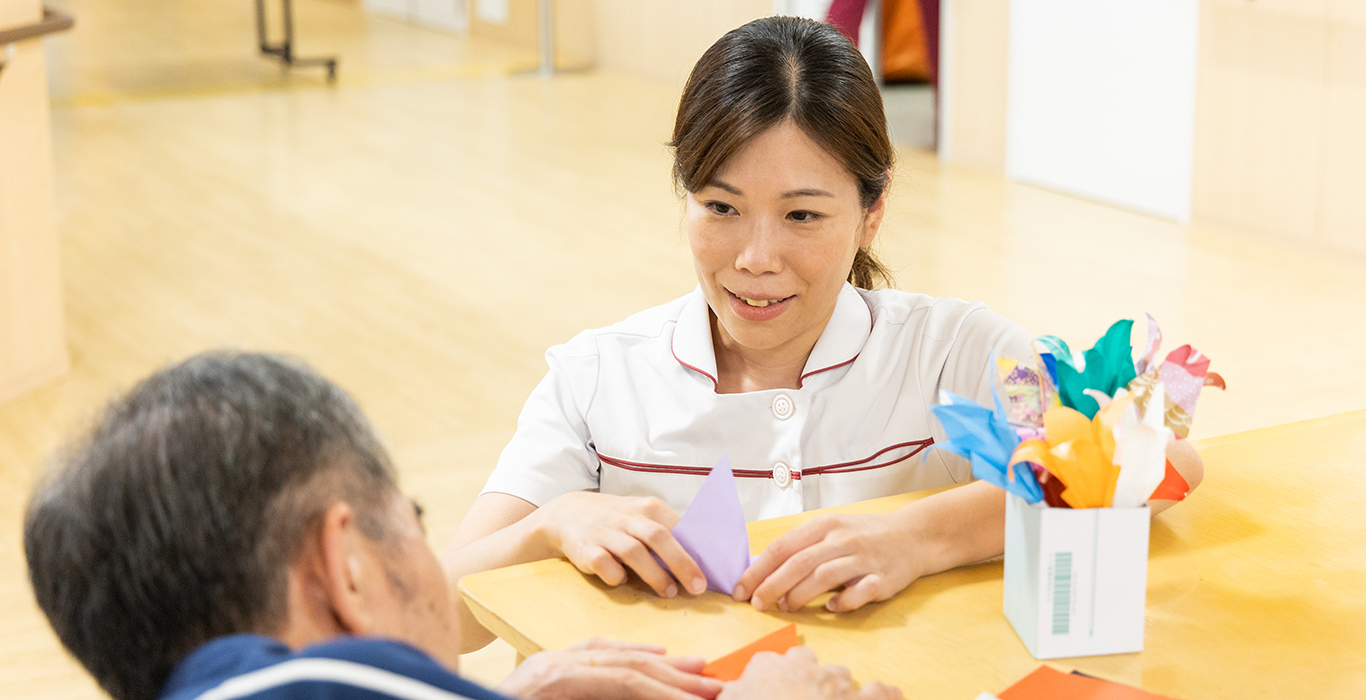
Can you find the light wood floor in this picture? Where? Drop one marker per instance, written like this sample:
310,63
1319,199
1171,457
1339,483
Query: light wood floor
425,229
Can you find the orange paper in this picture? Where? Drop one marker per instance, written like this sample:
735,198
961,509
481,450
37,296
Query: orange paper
1173,486
1047,683
730,666
1079,452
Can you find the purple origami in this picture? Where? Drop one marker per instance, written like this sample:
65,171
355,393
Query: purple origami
712,530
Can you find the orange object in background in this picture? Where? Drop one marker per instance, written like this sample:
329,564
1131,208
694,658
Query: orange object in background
1047,683
905,46
1173,486
730,666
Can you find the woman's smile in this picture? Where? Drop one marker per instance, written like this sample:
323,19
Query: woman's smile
759,308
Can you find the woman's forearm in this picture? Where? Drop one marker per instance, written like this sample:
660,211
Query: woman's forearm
956,527
500,530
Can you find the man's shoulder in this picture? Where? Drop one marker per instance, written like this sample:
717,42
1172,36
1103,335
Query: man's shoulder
248,667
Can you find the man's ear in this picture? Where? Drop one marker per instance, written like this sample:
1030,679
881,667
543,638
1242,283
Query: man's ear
872,220
348,574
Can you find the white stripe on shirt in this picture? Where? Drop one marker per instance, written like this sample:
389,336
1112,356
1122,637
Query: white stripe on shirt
330,671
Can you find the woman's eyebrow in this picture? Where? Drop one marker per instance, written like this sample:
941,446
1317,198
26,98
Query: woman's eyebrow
725,186
807,193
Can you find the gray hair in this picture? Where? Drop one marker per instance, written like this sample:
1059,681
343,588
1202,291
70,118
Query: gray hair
176,519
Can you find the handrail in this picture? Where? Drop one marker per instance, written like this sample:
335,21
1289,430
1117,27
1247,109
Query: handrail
53,21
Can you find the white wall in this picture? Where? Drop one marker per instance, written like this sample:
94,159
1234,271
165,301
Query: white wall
1101,100
811,9
446,14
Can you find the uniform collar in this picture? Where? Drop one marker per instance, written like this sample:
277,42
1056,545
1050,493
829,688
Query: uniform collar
844,336
692,337
840,343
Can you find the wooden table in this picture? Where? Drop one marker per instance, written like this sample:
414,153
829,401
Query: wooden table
1256,589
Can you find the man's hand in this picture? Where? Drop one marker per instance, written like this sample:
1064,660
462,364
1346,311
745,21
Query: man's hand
599,533
872,556
601,670
796,676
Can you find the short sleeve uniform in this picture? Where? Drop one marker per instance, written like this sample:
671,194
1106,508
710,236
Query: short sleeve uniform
632,409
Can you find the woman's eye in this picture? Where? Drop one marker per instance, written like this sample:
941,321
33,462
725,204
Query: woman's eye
721,208
803,217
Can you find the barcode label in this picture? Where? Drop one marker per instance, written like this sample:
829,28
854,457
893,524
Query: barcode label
1062,592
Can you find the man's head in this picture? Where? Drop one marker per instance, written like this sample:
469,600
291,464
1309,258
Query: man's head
233,493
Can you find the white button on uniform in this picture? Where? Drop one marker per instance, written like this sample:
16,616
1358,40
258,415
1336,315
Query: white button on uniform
783,407
782,476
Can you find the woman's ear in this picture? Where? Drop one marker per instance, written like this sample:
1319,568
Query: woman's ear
348,582
872,220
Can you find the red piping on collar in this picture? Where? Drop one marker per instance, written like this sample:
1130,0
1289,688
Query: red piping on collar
715,386
802,379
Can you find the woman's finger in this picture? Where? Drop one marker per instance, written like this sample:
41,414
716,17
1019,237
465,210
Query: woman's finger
780,551
797,567
597,561
827,576
634,554
656,510
662,542
868,589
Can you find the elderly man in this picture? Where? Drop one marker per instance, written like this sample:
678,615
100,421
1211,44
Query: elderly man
232,528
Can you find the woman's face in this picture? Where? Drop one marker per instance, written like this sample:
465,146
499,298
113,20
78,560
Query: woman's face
773,237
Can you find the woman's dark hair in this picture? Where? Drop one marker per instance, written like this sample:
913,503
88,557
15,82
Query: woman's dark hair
779,68
176,520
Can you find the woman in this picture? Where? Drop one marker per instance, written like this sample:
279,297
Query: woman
818,388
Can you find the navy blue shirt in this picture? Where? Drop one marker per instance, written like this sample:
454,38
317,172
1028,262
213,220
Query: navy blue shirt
347,668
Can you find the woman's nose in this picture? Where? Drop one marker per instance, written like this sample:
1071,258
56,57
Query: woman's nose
762,249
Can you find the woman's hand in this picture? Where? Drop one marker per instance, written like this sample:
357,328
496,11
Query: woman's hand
872,556
601,670
602,535
797,676
875,556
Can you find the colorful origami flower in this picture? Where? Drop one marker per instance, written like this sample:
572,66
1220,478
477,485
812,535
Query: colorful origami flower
1106,368
1115,459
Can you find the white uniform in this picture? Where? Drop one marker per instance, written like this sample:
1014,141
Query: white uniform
632,409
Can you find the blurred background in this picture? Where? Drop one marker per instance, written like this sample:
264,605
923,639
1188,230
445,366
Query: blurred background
430,193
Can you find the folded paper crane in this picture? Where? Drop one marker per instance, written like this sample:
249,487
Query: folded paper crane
986,438
712,530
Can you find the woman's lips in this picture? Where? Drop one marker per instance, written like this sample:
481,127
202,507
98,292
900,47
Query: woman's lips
758,313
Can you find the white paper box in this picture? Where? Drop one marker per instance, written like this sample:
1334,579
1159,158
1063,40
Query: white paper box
1076,580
